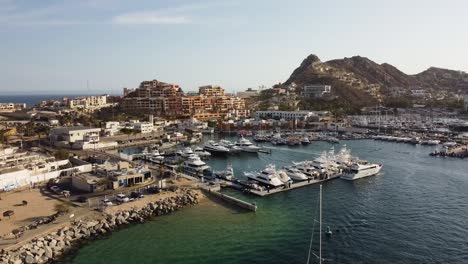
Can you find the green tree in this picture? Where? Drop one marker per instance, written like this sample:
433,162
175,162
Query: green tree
61,154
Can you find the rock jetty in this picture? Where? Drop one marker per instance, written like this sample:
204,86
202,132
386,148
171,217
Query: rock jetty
55,245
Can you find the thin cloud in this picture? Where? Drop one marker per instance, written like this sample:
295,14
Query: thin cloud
149,18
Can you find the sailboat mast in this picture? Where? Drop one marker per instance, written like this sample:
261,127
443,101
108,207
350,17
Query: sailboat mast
320,234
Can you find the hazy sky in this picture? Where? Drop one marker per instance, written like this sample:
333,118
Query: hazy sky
53,46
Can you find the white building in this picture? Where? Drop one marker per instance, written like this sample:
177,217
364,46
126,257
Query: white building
19,168
78,138
287,115
112,127
316,90
143,127
89,103
11,107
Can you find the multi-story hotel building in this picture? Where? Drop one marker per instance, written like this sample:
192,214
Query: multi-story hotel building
168,100
88,103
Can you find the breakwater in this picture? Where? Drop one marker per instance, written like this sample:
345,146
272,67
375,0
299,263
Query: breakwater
57,244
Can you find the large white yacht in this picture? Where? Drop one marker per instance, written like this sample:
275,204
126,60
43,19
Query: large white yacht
194,166
155,156
295,174
202,153
247,146
231,146
269,176
360,169
214,147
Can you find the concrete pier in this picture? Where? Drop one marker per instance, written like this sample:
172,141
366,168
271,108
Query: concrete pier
231,200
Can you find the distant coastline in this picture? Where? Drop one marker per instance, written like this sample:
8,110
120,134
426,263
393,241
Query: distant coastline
31,100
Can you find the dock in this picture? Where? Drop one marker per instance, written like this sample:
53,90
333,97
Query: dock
293,186
229,199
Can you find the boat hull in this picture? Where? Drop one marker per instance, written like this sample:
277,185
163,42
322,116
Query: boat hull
361,174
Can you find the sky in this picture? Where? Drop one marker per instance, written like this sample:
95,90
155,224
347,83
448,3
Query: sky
101,46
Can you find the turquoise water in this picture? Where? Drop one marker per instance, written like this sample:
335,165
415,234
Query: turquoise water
414,212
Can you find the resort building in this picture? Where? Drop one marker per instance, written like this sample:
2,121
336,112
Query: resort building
11,107
21,168
286,115
168,100
316,90
88,103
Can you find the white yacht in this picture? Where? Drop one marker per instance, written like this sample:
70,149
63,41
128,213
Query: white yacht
295,174
360,170
186,152
156,156
202,153
231,146
305,141
269,176
214,147
247,146
227,174
194,166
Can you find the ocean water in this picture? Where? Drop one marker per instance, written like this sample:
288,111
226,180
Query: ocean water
415,211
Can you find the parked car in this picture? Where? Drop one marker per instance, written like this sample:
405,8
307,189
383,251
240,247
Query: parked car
153,190
10,187
82,199
122,198
107,202
136,195
56,189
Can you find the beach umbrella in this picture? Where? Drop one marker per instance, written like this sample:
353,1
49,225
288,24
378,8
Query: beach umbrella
8,213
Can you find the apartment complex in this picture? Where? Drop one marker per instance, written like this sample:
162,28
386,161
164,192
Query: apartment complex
316,90
88,103
11,107
163,99
78,138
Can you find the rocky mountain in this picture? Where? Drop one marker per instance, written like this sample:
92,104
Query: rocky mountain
362,81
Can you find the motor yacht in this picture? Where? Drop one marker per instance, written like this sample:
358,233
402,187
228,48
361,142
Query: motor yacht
247,146
202,153
227,174
295,173
194,166
360,169
214,147
269,176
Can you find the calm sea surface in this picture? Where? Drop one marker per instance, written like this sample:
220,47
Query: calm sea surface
416,211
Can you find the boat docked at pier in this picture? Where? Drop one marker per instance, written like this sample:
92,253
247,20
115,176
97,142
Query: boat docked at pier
269,176
215,148
201,153
194,166
295,174
360,169
227,174
247,146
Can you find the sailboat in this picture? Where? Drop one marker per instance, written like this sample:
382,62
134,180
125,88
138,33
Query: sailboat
327,232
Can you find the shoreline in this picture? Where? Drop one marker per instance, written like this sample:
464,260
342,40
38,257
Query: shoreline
59,242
